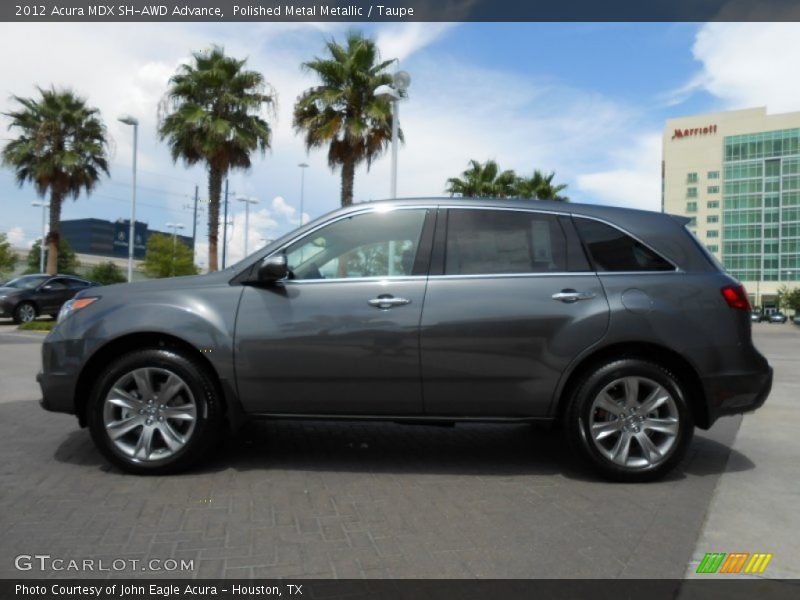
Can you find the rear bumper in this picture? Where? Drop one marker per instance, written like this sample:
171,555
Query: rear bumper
737,393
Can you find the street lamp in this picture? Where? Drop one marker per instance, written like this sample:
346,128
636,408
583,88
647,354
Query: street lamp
133,121
303,166
45,206
400,82
175,227
247,203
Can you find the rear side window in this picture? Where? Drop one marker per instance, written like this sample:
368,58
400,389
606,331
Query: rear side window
492,242
612,250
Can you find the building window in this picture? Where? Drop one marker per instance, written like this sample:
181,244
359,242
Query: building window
691,192
691,207
713,174
692,222
691,178
713,189
713,248
712,219
712,233
712,204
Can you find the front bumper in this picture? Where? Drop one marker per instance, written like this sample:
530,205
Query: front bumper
737,393
58,379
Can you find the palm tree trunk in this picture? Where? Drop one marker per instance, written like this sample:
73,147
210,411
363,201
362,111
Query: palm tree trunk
348,175
54,235
214,192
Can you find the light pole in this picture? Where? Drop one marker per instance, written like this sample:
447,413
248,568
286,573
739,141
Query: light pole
303,166
175,227
400,82
129,120
247,203
45,206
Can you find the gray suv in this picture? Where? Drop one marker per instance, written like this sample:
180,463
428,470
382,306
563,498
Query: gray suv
614,323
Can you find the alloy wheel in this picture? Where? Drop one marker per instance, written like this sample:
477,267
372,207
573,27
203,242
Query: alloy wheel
149,414
634,422
26,313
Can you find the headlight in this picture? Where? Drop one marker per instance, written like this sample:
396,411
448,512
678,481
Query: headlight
74,305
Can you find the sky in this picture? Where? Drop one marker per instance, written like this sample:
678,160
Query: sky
587,101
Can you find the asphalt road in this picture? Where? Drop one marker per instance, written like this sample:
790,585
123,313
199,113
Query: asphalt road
348,500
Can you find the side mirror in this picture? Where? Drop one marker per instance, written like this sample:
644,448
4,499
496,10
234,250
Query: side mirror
272,269
47,288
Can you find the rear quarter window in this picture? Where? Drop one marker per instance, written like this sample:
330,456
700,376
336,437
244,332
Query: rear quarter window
612,250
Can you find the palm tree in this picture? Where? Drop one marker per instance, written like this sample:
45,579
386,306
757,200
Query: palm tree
212,113
483,180
540,187
343,111
61,148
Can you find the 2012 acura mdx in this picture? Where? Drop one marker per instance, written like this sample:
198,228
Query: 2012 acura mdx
615,323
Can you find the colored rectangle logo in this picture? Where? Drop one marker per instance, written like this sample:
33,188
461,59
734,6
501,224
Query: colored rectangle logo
734,562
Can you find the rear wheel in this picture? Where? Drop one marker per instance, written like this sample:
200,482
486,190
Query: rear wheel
25,312
154,411
630,419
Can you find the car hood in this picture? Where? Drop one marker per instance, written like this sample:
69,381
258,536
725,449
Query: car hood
158,285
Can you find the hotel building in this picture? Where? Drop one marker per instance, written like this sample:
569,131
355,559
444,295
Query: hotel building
736,174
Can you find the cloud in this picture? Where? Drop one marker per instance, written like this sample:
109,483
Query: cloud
281,208
401,40
748,64
16,236
634,181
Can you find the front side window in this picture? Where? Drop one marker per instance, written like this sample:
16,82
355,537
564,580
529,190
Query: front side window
613,250
494,242
58,284
375,244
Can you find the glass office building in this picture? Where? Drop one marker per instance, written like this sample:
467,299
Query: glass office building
736,175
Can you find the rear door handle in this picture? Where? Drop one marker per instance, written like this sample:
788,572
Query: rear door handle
385,301
570,296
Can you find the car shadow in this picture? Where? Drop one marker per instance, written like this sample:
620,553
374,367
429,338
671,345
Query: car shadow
374,447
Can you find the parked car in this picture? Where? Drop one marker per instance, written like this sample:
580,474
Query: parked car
756,316
25,298
777,317
613,322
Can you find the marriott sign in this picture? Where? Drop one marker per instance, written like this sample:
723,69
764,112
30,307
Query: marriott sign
695,131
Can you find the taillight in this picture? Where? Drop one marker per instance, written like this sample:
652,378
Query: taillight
736,297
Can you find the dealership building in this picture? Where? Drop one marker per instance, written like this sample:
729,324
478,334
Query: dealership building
736,175
109,239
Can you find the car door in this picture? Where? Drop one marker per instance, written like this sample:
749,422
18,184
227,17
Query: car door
52,294
341,335
511,300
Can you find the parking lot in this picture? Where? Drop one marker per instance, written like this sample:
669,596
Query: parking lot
344,500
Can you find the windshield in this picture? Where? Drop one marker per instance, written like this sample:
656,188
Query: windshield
27,282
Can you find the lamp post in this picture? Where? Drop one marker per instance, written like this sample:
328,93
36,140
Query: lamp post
133,121
247,203
175,227
303,166
400,82
45,206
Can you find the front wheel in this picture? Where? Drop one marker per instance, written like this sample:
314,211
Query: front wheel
630,419
154,411
25,312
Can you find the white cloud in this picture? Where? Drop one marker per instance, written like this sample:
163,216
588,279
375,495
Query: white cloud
749,64
16,236
401,40
280,207
634,182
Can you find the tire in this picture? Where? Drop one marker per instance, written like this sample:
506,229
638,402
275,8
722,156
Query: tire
608,412
153,438
25,312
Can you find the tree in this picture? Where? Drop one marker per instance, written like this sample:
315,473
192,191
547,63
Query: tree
106,273
486,180
540,187
343,111
168,257
67,263
483,181
788,298
8,259
212,114
61,148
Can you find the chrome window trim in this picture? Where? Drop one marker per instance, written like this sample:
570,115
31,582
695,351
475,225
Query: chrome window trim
517,275
385,279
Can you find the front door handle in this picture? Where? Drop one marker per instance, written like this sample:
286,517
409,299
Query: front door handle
385,301
570,296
